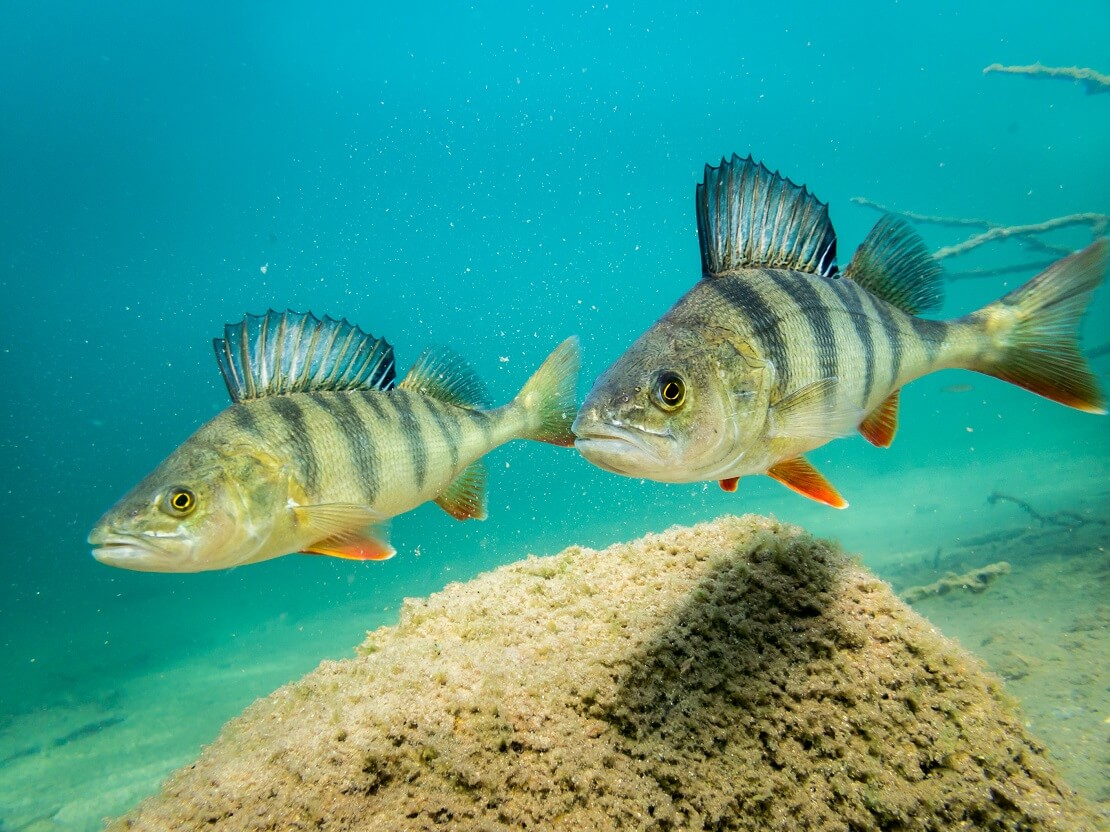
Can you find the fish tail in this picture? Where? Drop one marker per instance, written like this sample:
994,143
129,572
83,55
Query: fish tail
1032,334
548,398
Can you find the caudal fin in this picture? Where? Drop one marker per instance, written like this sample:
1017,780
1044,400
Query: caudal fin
1035,332
548,398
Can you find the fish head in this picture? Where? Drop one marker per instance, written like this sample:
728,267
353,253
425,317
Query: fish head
205,507
676,407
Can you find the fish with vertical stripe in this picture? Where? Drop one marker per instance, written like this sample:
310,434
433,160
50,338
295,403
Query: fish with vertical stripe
775,351
320,448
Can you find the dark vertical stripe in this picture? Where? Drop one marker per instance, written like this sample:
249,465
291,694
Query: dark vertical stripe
815,312
288,410
931,335
373,399
885,313
410,431
361,449
484,423
849,295
741,294
244,419
445,426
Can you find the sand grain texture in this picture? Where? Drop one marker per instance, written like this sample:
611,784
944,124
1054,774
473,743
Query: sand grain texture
739,675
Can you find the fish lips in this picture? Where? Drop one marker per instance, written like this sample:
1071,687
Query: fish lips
129,552
620,449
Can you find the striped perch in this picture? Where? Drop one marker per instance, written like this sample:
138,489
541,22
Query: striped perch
320,448
774,352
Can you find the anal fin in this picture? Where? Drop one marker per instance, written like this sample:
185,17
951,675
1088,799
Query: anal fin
465,497
798,475
882,423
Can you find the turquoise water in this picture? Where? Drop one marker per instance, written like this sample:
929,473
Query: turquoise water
488,177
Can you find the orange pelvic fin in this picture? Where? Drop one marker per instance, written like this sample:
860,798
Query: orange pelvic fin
363,547
882,423
345,530
729,484
798,475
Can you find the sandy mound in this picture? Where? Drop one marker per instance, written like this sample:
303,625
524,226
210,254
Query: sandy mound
737,675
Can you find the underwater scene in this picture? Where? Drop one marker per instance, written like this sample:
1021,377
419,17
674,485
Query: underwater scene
523,190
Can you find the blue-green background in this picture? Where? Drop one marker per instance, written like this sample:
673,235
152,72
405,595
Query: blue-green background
493,177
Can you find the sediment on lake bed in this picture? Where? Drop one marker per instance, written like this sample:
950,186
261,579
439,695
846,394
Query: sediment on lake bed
737,675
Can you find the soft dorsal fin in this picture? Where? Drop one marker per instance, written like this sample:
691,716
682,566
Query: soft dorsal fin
893,263
750,217
292,352
443,374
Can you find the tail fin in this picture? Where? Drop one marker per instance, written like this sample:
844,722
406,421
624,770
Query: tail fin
1035,331
548,398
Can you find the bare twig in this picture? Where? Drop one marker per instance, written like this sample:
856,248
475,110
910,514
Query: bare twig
958,222
1094,82
1068,519
976,580
1097,223
993,231
974,274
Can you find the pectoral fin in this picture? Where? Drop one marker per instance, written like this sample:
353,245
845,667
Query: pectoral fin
814,411
798,475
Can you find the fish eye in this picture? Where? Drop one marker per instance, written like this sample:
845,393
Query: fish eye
669,391
181,501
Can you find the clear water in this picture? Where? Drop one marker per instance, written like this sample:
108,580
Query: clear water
493,177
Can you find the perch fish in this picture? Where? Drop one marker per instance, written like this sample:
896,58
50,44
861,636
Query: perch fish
775,352
319,448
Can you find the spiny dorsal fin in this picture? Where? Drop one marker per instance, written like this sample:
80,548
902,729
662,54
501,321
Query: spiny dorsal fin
443,374
750,217
893,263
465,497
292,352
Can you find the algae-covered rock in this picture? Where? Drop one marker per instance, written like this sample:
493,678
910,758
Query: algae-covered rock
739,675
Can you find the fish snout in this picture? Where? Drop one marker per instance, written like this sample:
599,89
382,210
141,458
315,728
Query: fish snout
130,551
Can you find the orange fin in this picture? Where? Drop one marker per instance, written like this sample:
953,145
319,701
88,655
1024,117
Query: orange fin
729,484
465,497
798,475
882,423
361,547
1038,326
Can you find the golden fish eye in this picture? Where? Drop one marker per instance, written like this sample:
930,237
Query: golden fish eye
181,500
670,391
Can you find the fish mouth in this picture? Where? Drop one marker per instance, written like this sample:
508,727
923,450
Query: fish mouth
128,551
621,449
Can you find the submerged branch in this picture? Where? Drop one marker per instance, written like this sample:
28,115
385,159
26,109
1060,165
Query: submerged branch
1095,82
1023,268
976,580
1068,519
1097,223
993,232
